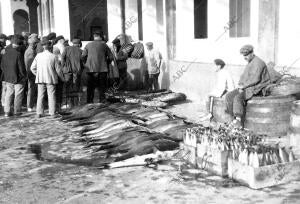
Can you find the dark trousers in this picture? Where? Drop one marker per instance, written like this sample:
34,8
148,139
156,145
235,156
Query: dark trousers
59,94
235,103
122,79
96,80
31,92
153,82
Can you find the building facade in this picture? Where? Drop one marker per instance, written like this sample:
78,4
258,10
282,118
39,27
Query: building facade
189,33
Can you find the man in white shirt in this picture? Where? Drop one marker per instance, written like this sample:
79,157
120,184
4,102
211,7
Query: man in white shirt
153,59
224,84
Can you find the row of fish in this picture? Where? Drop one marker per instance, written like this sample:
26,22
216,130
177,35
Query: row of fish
119,131
159,98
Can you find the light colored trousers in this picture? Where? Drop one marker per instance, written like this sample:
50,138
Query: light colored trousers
42,88
12,90
3,93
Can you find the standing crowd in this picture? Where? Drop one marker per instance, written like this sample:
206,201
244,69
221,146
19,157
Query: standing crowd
48,68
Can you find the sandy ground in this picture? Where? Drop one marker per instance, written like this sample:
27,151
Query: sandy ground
24,179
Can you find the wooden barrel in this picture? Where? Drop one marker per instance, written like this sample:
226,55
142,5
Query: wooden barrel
269,115
219,113
294,129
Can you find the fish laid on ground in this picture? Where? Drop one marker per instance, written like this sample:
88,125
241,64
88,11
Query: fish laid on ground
164,126
171,97
107,124
84,113
153,120
154,104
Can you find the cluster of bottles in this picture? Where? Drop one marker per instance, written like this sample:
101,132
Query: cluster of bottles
224,138
246,147
263,155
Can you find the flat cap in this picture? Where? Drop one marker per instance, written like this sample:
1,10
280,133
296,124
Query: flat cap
10,37
76,41
3,36
51,36
149,44
33,38
219,62
116,41
16,40
246,50
45,41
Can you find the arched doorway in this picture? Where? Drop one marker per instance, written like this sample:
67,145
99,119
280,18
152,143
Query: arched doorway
21,21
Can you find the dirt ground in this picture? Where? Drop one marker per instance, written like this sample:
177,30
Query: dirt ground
25,179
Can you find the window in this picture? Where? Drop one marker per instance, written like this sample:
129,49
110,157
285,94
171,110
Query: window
200,19
239,15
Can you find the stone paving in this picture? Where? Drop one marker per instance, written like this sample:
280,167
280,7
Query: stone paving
25,179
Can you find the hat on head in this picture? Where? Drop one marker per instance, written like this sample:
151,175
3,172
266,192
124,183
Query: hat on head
76,41
149,44
10,37
51,36
16,40
246,50
33,38
58,38
45,41
116,41
97,32
219,62
3,36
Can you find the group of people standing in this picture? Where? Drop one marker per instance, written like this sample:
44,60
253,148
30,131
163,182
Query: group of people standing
36,66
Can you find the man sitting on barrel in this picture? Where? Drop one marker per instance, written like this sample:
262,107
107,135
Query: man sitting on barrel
252,82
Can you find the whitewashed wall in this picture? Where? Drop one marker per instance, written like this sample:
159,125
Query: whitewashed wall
6,17
61,18
289,33
15,5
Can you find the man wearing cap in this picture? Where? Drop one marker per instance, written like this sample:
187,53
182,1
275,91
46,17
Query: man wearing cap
120,56
14,75
253,80
97,55
72,67
45,67
224,84
153,60
29,56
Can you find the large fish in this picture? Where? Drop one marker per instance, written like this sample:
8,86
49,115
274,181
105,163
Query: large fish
178,132
111,130
125,146
164,126
149,147
171,98
85,112
107,124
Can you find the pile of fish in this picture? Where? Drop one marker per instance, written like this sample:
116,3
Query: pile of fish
105,133
245,146
160,98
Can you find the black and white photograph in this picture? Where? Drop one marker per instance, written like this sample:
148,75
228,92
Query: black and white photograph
149,101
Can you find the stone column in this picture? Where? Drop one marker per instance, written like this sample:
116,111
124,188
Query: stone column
170,6
47,12
33,15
